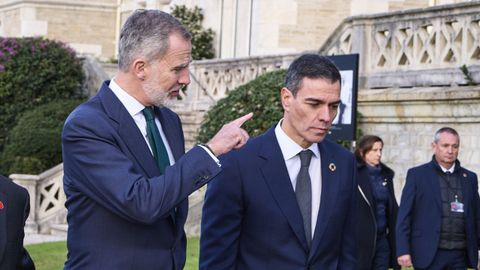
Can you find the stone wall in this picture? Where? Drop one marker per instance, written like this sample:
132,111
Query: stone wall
242,27
87,26
96,38
406,119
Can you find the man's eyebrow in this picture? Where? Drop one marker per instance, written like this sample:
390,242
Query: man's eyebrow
183,65
311,99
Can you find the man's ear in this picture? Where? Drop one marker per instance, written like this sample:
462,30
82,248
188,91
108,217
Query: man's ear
139,67
286,98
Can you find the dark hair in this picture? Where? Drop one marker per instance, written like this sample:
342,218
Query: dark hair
146,33
449,130
312,66
366,144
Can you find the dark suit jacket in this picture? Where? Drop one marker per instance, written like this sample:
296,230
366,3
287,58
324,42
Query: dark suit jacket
122,214
366,219
14,210
251,219
419,216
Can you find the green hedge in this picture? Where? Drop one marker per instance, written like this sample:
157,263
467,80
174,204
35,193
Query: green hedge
35,71
260,96
34,144
202,39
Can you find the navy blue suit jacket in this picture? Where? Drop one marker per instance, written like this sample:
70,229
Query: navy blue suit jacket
119,206
420,213
14,210
251,219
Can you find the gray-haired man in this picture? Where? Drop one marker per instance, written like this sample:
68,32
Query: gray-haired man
127,178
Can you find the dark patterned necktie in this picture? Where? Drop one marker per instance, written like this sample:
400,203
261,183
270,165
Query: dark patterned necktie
303,192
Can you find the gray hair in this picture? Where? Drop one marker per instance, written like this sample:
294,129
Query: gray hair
312,66
146,33
449,130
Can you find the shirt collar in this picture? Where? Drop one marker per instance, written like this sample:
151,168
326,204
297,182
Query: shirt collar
451,169
132,105
288,146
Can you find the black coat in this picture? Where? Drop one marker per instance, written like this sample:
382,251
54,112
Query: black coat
14,209
366,221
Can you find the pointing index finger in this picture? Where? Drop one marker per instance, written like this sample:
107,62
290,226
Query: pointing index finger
239,121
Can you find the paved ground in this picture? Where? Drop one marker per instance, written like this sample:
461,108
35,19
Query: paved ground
42,238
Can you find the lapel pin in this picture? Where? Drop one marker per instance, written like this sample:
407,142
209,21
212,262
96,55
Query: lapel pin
464,175
332,167
1,205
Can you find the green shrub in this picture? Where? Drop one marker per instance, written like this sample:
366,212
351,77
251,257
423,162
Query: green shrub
34,71
202,39
34,144
260,96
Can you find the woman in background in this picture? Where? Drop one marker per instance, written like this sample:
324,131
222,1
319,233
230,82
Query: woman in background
377,207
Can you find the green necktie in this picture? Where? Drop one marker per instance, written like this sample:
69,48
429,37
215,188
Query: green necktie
158,148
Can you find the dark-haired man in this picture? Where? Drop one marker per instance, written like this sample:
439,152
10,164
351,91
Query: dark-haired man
286,199
438,222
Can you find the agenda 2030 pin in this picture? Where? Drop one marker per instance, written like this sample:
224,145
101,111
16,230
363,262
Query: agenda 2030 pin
332,167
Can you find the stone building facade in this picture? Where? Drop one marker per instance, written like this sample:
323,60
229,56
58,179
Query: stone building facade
87,26
243,27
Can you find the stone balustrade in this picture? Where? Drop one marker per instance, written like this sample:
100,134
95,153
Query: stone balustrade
47,199
211,80
413,48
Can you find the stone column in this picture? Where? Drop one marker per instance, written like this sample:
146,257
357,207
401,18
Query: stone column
158,4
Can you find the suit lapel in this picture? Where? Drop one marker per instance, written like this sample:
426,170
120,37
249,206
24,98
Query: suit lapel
128,130
364,183
330,188
275,174
434,186
3,225
171,130
174,137
466,190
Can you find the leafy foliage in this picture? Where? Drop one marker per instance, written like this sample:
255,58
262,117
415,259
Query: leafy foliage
34,71
34,144
260,96
202,39
467,76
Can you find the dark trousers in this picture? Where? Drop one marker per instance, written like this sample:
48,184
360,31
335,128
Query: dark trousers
446,259
382,254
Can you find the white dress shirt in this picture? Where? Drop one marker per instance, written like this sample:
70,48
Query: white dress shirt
451,170
134,108
290,150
